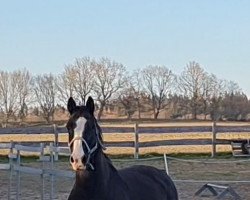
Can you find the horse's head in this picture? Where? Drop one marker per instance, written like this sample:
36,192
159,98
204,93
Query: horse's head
84,134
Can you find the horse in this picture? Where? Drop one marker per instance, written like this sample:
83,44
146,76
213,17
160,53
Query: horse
96,177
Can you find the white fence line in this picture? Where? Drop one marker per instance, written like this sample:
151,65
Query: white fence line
15,167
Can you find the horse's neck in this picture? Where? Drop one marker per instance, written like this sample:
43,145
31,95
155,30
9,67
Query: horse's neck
92,182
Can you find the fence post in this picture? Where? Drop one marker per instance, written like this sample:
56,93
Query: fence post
51,170
56,140
136,154
213,139
56,134
18,175
42,175
11,168
166,163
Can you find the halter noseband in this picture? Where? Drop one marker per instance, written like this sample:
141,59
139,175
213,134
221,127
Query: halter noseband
90,150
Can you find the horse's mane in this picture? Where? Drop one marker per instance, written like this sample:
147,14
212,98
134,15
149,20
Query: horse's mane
101,139
99,130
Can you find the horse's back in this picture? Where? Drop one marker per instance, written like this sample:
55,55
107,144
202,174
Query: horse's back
148,183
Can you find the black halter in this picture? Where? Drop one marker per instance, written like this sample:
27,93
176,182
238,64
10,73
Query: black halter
89,149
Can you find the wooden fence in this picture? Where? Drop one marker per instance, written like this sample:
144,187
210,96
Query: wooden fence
138,129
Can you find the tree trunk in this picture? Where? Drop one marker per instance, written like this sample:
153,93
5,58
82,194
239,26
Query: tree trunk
47,118
156,114
139,109
99,115
195,113
129,115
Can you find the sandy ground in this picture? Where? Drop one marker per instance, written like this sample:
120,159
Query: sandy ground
179,170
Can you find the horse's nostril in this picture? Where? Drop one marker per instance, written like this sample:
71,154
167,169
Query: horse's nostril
71,159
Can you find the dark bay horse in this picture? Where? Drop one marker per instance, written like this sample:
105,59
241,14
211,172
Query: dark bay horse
96,177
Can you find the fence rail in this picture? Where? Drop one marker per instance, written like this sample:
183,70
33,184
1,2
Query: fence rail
16,167
138,130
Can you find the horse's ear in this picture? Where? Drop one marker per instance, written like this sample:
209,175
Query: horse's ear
90,105
71,105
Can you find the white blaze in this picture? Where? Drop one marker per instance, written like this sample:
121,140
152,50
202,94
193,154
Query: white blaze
78,152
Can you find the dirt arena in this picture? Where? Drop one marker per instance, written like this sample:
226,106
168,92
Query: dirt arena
179,170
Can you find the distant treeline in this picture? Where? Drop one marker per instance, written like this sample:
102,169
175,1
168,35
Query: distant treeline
153,88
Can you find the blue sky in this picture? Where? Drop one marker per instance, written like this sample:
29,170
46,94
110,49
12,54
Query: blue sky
44,35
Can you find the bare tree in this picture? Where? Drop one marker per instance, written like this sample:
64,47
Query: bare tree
76,80
137,87
179,106
235,106
84,77
23,79
65,85
216,94
45,91
231,87
110,77
158,82
128,98
208,91
234,102
191,84
8,95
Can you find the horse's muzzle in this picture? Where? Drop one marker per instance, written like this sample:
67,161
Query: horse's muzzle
76,164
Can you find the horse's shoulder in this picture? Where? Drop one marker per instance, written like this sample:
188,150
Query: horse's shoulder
148,183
